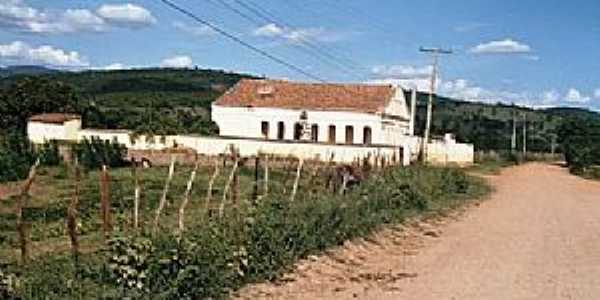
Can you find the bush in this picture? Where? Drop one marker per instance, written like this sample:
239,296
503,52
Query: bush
217,257
94,153
17,155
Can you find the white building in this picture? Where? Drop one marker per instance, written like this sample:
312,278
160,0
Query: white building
53,126
339,122
320,113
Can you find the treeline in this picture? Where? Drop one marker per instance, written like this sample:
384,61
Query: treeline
168,101
580,139
490,126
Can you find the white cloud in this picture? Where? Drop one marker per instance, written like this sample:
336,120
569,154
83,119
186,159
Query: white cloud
402,71
269,30
202,30
295,35
17,15
597,93
114,66
421,84
575,96
178,62
83,19
128,14
550,97
506,46
403,75
22,53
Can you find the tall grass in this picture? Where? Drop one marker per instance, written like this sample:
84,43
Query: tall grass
252,243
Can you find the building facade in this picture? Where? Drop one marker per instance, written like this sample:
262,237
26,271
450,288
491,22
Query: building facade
53,126
318,113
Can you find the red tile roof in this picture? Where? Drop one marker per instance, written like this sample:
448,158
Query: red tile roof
311,96
54,118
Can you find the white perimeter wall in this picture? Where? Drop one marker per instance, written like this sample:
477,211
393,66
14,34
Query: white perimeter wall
248,147
246,122
441,153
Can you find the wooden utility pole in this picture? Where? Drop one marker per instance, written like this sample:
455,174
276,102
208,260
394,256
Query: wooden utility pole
525,134
513,140
435,52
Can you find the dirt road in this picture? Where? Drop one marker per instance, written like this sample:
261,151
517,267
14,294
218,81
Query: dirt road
538,237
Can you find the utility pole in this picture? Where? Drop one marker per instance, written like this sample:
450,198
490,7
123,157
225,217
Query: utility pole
435,52
524,134
513,140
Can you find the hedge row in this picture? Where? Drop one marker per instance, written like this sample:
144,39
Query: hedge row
217,257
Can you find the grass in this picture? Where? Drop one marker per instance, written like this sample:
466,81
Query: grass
252,243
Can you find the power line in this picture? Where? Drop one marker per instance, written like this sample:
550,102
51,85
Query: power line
241,42
304,49
267,16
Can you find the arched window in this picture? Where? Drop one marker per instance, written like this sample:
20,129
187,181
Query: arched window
314,133
280,130
297,131
264,129
349,135
367,136
331,135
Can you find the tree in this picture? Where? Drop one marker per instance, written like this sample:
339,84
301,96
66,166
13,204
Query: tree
35,95
580,142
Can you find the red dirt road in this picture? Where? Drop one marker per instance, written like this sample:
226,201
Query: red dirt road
537,237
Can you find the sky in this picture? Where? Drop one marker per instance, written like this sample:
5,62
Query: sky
529,52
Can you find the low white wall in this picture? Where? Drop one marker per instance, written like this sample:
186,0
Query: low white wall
440,153
250,147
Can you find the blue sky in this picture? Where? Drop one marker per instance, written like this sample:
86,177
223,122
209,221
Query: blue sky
537,53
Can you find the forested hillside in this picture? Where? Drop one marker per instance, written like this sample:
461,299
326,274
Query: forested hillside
157,101
165,101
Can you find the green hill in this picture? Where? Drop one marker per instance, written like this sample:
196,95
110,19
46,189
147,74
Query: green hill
165,101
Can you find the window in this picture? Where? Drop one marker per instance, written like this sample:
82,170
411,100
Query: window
280,131
349,135
331,136
314,133
297,131
367,136
264,129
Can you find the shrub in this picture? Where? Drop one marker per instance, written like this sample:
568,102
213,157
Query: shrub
94,153
216,257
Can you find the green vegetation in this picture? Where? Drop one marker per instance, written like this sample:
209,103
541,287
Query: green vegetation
254,241
167,101
156,101
580,138
94,153
17,155
490,126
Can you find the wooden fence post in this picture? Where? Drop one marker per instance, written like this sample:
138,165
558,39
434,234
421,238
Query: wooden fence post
211,183
228,187
288,171
255,184
105,201
23,195
186,198
266,177
72,215
136,196
297,180
163,199
236,186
